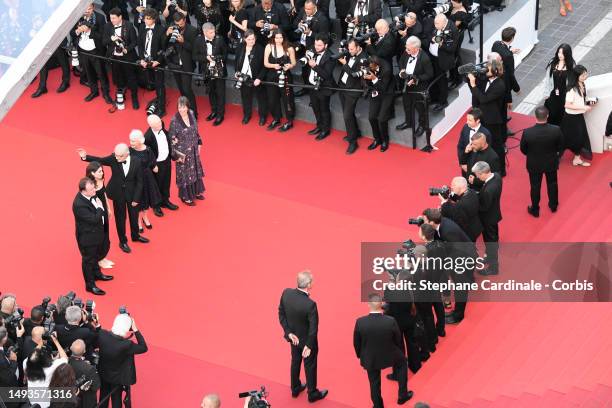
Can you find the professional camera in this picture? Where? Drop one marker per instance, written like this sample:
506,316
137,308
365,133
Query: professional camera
399,23
444,191
303,25
363,71
123,310
367,34
83,383
407,249
266,30
241,79
78,302
591,100
307,57
406,76
443,37
343,51
176,31
474,69
215,67
153,107
443,8
85,22
119,45
350,30
14,319
282,76
70,296
416,221
235,39
89,308
258,398
172,3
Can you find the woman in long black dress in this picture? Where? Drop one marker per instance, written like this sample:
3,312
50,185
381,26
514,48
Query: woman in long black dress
560,68
95,172
575,133
151,197
460,17
238,19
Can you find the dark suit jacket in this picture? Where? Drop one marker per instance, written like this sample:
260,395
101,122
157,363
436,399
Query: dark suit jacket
279,17
416,30
487,155
96,33
491,101
353,83
219,48
67,334
446,53
151,141
128,34
256,60
185,49
121,187
298,314
490,199
158,43
83,367
7,371
325,70
458,243
158,5
385,83
413,6
88,221
374,11
319,24
423,70
542,144
322,6
464,140
377,341
508,61
117,357
609,125
384,48
464,211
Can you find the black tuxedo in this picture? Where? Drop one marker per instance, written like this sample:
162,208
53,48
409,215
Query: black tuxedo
445,61
279,17
157,47
490,216
374,8
542,144
322,6
138,20
89,222
465,139
378,344
416,30
320,99
216,86
68,333
164,167
464,211
349,99
399,306
487,155
92,66
423,73
384,47
381,97
319,24
258,71
123,190
181,59
83,367
508,60
123,74
298,315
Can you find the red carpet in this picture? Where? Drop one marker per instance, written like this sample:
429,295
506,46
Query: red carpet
205,290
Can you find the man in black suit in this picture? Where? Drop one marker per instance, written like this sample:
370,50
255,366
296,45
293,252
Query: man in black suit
471,127
542,144
124,188
413,28
60,57
490,214
299,318
210,51
381,93
89,217
120,41
152,43
415,71
384,44
365,11
479,150
139,8
179,49
442,48
117,367
77,328
413,6
319,70
37,317
8,364
491,103
82,367
462,207
505,50
378,344
350,82
158,139
269,11
87,35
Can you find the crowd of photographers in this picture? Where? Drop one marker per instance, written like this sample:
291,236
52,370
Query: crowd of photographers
61,356
189,40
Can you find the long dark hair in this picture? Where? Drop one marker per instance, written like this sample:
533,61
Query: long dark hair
63,376
569,59
285,40
574,79
37,362
91,169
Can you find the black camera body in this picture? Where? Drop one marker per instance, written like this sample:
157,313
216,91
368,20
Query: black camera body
474,69
266,30
14,319
258,398
399,23
444,191
85,22
443,37
304,25
242,79
416,221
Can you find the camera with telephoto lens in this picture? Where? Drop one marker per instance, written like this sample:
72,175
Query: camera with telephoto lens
416,221
119,45
444,191
70,296
343,51
89,308
83,383
591,100
350,29
407,248
443,37
443,8
172,3
282,76
14,319
235,39
367,34
307,57
242,79
303,26
474,69
153,107
215,67
399,23
176,31
266,30
258,398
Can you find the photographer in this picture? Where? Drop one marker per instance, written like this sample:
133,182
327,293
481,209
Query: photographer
350,79
471,127
479,150
442,48
435,249
36,340
80,326
120,41
319,71
8,362
172,7
40,366
249,64
138,10
407,28
37,316
384,45
413,6
61,58
491,103
180,38
8,310
81,368
117,368
152,43
462,207
268,17
213,401
366,12
87,35
415,71
210,51
505,50
380,88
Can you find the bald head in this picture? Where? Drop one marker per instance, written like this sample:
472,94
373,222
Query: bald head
37,333
382,27
78,348
8,304
154,123
459,185
440,21
121,149
304,280
211,401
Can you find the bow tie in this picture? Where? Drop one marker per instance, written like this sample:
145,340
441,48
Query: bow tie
411,58
92,199
472,130
118,26
209,41
149,29
123,162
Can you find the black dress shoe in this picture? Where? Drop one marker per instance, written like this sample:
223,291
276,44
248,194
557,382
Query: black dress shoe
141,239
296,393
314,131
322,135
352,147
402,126
533,212
140,230
490,271
125,248
91,96
200,197
39,91
346,138
63,86
211,117
170,206
158,212
419,131
441,332
391,377
218,121
318,395
384,147
103,277
440,107
554,209
373,145
262,121
273,124
404,398
245,120
188,203
149,226
286,127
96,291
452,319
108,99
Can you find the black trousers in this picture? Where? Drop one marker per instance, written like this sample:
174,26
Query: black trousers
120,207
93,67
310,367
116,397
216,96
412,347
413,103
183,83
401,373
157,79
163,178
279,98
438,308
499,136
378,117
428,341
490,236
90,255
441,88
461,296
62,59
124,75
349,105
535,179
320,106
246,95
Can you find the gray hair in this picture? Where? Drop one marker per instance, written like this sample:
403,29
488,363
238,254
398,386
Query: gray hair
493,56
73,315
78,348
213,399
414,41
441,17
481,167
122,149
304,279
136,134
460,182
381,23
208,26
